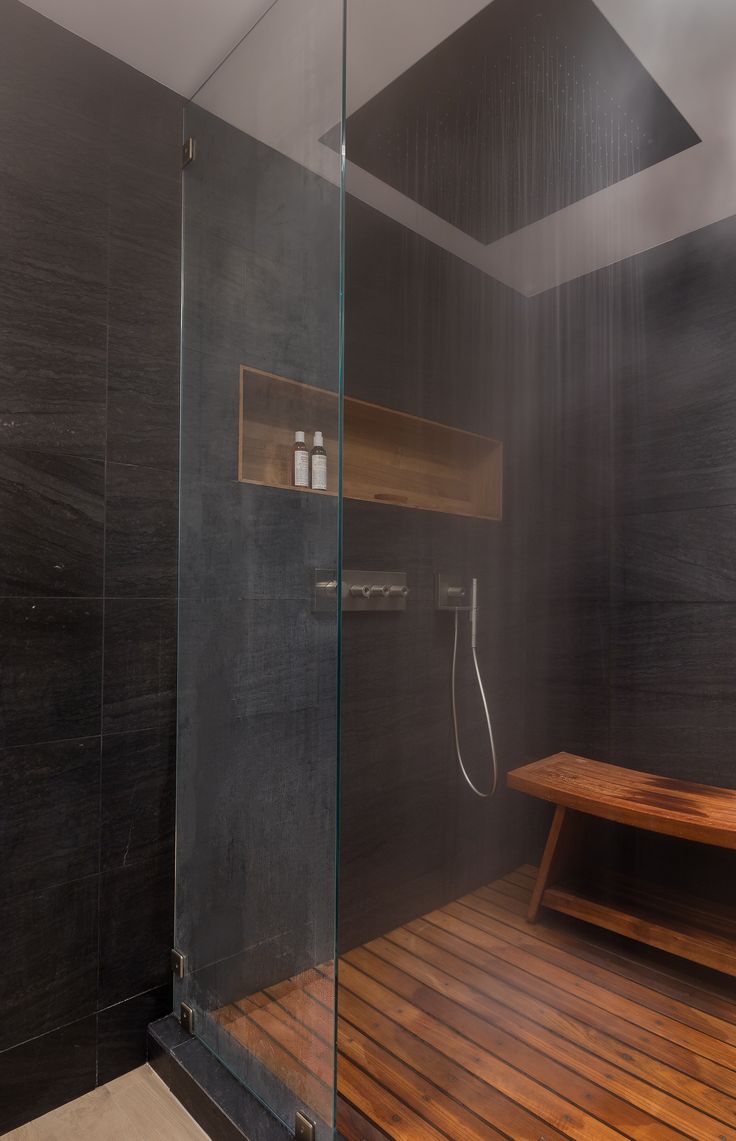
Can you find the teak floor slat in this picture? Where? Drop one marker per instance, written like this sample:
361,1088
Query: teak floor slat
653,1088
668,1068
446,1073
614,954
541,1056
470,1024
703,1034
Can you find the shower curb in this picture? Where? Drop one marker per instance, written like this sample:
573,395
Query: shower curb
224,1108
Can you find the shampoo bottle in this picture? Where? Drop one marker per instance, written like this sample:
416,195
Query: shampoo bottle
300,462
319,464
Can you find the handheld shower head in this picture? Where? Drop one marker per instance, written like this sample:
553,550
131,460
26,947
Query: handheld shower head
452,596
474,615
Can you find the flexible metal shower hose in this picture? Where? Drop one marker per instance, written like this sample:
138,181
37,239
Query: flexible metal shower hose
494,764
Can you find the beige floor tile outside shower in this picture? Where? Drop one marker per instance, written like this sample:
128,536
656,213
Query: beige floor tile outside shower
136,1107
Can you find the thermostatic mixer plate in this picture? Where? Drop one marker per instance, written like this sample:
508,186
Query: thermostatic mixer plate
364,591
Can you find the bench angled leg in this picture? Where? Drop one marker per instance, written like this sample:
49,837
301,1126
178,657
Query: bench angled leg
560,853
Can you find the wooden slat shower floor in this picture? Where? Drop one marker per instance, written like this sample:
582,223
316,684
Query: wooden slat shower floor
471,1024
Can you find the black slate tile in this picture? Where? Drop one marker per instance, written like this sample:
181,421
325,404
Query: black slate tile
207,1089
233,1110
143,392
166,1035
52,386
138,796
415,316
145,122
141,532
675,556
210,400
681,648
240,541
46,1072
398,781
122,1032
53,227
54,272
673,707
46,788
243,658
145,249
245,193
145,212
382,537
674,403
52,669
53,327
136,929
249,307
676,451
49,972
140,664
53,512
56,151
54,269
688,738
238,867
45,61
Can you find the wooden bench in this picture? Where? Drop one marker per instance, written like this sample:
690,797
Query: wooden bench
698,930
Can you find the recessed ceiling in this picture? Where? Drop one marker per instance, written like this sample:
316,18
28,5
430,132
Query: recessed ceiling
283,86
529,106
177,42
685,46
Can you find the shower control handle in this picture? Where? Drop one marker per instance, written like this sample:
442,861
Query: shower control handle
362,591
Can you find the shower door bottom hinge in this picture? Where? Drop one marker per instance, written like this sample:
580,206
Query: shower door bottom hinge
304,1129
178,963
188,152
186,1018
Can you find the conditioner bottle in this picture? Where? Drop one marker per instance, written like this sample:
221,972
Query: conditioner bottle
300,462
319,464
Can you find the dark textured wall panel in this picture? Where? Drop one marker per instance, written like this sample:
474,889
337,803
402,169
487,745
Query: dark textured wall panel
607,590
46,786
44,1072
650,345
431,336
673,707
89,322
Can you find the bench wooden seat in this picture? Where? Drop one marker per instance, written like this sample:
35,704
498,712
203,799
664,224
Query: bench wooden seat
582,788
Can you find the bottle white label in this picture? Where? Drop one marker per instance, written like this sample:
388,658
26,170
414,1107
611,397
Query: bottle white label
301,469
319,473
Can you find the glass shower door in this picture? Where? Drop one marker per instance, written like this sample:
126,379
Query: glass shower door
257,725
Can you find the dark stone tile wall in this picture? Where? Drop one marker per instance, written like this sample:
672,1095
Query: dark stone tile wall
635,483
427,334
673,614
89,326
607,626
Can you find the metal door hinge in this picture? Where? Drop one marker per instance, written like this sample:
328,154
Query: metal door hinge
186,1018
188,152
304,1129
178,963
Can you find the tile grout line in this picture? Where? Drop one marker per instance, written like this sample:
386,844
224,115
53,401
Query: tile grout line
103,606
160,727
75,1021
